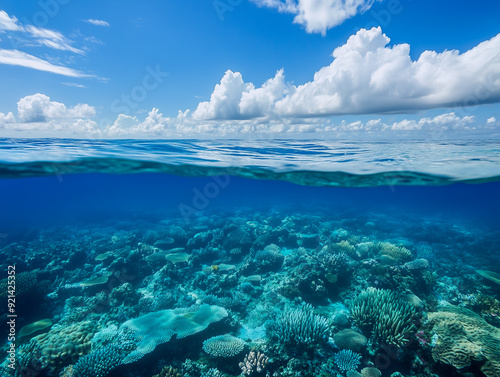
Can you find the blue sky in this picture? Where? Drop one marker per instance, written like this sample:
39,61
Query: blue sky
226,68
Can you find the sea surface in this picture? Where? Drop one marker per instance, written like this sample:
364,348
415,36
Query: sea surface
252,258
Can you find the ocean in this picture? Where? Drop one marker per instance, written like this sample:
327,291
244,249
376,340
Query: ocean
250,258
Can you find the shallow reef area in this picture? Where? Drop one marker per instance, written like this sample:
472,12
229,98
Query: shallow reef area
277,292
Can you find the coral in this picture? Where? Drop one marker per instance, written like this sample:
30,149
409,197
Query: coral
29,360
96,364
25,283
344,247
397,253
417,264
158,327
212,372
490,275
347,360
385,314
370,372
168,371
35,327
223,346
254,362
269,259
350,339
63,345
463,336
301,325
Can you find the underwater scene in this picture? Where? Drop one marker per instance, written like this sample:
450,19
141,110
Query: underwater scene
258,258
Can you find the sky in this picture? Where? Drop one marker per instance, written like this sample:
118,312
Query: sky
250,69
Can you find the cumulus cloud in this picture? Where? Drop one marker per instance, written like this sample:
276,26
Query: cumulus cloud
38,115
7,118
317,16
232,98
97,22
39,108
366,76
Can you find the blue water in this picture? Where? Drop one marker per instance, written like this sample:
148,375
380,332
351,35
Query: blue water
64,202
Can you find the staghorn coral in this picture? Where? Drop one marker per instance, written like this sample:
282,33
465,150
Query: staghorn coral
463,337
254,362
223,346
384,314
347,360
301,325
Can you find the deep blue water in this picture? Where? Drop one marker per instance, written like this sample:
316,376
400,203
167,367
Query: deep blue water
71,211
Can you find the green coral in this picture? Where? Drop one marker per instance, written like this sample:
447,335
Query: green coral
385,315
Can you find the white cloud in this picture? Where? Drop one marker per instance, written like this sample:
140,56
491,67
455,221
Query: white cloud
366,76
8,23
39,108
319,15
19,58
491,120
28,36
97,22
234,99
7,118
52,39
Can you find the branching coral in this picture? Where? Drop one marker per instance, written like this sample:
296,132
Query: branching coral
301,326
254,362
385,314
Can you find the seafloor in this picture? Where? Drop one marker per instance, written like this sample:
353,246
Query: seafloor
276,292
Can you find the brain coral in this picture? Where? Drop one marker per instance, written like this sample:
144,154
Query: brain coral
463,336
223,346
